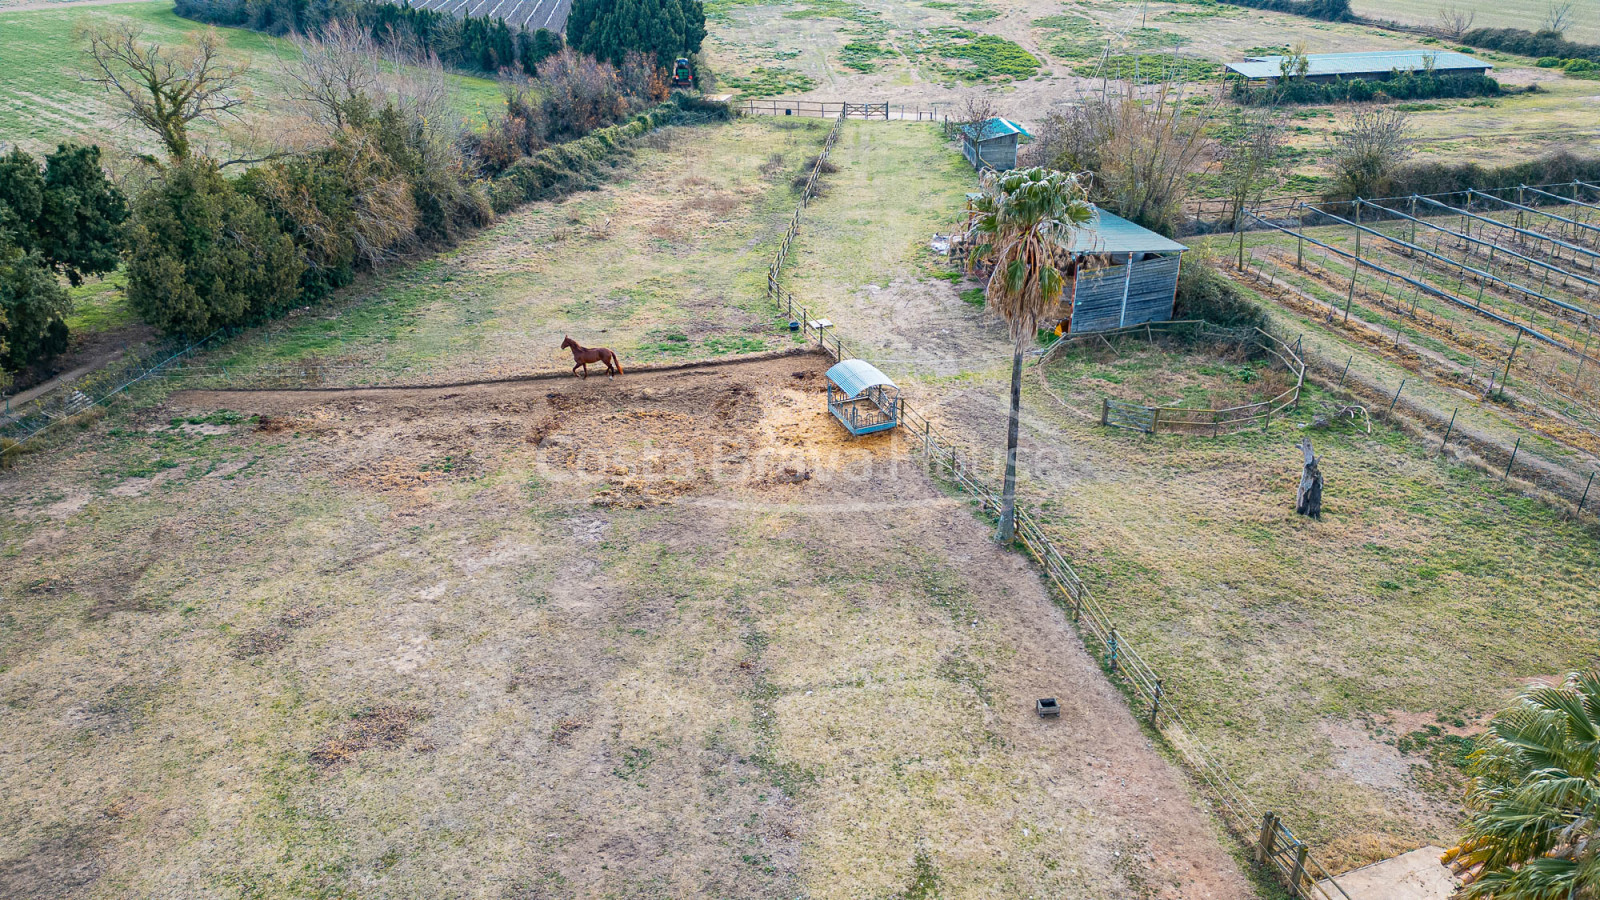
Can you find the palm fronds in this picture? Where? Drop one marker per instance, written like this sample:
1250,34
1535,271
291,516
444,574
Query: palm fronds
1024,230
1535,799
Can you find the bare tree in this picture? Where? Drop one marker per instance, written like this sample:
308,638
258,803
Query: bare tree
164,89
1455,22
1140,148
337,75
1373,144
1557,16
1253,163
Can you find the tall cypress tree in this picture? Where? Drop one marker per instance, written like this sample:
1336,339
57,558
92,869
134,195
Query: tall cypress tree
663,29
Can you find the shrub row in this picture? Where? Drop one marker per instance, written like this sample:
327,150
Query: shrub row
1537,44
1577,68
580,164
1399,86
1428,177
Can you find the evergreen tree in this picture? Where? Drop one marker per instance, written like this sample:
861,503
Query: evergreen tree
203,255
535,47
661,29
33,305
67,212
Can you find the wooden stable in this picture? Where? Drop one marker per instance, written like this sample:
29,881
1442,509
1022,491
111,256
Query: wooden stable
1130,273
862,398
993,144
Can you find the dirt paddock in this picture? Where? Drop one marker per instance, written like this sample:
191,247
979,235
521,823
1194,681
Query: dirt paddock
674,634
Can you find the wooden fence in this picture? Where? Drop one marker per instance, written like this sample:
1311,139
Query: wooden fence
1191,419
1268,838
827,109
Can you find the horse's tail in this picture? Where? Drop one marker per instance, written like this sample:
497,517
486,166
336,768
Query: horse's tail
618,360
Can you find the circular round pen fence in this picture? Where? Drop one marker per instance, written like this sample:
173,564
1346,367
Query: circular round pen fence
1197,420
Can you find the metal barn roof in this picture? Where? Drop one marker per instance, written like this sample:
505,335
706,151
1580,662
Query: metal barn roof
1110,233
854,376
997,127
1372,63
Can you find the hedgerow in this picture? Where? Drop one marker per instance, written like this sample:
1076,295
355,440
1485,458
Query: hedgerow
1399,86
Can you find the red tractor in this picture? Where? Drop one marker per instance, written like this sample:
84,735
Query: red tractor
682,75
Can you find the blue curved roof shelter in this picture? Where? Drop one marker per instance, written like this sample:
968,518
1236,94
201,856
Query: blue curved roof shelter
862,398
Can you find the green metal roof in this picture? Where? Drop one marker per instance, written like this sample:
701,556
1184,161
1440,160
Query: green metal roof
1374,63
854,376
997,127
1110,233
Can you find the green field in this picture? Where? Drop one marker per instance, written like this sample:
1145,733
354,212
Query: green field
43,99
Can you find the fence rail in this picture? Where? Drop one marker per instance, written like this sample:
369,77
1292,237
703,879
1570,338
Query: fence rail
1191,419
827,109
1276,848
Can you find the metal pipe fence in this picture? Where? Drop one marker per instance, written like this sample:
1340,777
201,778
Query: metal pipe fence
1192,419
1276,848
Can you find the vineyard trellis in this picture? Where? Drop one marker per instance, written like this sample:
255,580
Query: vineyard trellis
1495,297
1269,839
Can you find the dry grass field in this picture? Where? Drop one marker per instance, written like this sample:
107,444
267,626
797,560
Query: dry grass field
664,635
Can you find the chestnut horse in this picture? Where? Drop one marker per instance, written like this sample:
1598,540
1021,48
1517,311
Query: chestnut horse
583,356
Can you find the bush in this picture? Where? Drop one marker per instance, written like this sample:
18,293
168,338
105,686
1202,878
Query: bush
1208,295
32,306
203,255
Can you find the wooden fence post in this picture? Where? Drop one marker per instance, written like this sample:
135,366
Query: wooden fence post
1269,833
1155,704
1298,876
1105,410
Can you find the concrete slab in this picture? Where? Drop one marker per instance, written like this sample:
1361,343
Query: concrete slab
1417,875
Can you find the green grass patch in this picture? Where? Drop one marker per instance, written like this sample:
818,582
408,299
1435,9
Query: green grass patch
769,81
863,56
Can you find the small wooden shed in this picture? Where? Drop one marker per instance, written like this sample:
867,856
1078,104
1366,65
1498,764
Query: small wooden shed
1140,285
993,145
862,398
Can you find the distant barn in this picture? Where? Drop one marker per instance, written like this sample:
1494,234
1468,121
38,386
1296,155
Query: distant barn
1377,66
1139,286
993,145
524,14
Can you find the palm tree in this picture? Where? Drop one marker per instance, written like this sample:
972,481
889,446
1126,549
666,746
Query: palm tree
1024,227
1535,799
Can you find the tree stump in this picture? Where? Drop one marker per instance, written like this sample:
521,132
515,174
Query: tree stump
1308,501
